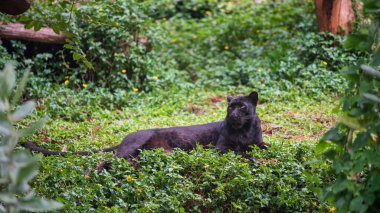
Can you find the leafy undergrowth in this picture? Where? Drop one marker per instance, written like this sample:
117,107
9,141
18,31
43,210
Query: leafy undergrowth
197,53
286,177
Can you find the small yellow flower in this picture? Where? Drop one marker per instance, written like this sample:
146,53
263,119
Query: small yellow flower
258,31
206,166
59,101
123,71
100,185
87,177
164,19
175,167
208,13
84,85
67,82
138,190
219,190
173,40
116,24
155,78
197,195
135,89
194,37
100,10
226,47
333,209
61,170
66,77
129,178
324,63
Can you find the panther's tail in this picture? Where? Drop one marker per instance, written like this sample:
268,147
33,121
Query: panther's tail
32,146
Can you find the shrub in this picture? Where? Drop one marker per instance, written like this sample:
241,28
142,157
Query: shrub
17,167
196,181
355,143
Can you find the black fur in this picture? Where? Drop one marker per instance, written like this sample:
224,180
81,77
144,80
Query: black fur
240,129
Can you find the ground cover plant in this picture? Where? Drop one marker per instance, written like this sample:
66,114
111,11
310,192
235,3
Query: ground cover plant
133,65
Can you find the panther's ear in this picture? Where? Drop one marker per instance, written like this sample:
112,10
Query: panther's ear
229,98
254,97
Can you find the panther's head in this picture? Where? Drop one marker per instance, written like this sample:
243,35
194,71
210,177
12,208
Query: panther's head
241,110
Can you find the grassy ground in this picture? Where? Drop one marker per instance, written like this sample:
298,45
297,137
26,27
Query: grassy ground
303,119
183,181
201,51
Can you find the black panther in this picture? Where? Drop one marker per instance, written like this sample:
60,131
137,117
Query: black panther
237,132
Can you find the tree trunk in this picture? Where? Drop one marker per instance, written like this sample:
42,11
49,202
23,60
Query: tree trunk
16,31
14,7
334,16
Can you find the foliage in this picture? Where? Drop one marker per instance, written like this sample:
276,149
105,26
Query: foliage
250,47
17,167
112,35
195,181
355,140
215,44
197,52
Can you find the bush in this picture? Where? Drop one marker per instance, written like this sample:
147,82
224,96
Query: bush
353,144
197,181
17,167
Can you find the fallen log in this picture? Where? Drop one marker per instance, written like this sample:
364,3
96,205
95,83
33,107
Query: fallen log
17,31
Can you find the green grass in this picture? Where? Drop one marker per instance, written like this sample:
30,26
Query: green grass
182,180
297,120
197,62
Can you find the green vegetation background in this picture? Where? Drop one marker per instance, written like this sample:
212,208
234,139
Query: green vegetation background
197,53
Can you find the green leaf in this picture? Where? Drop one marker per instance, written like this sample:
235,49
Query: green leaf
88,64
351,122
376,60
7,80
372,157
370,71
39,205
33,127
29,25
8,198
358,205
20,88
68,46
5,128
37,25
76,56
358,42
360,141
333,135
23,111
372,97
24,169
56,28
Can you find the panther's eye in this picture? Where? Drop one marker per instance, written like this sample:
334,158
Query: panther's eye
243,107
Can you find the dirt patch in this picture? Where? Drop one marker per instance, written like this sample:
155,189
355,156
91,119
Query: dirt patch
327,121
217,99
195,109
270,129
